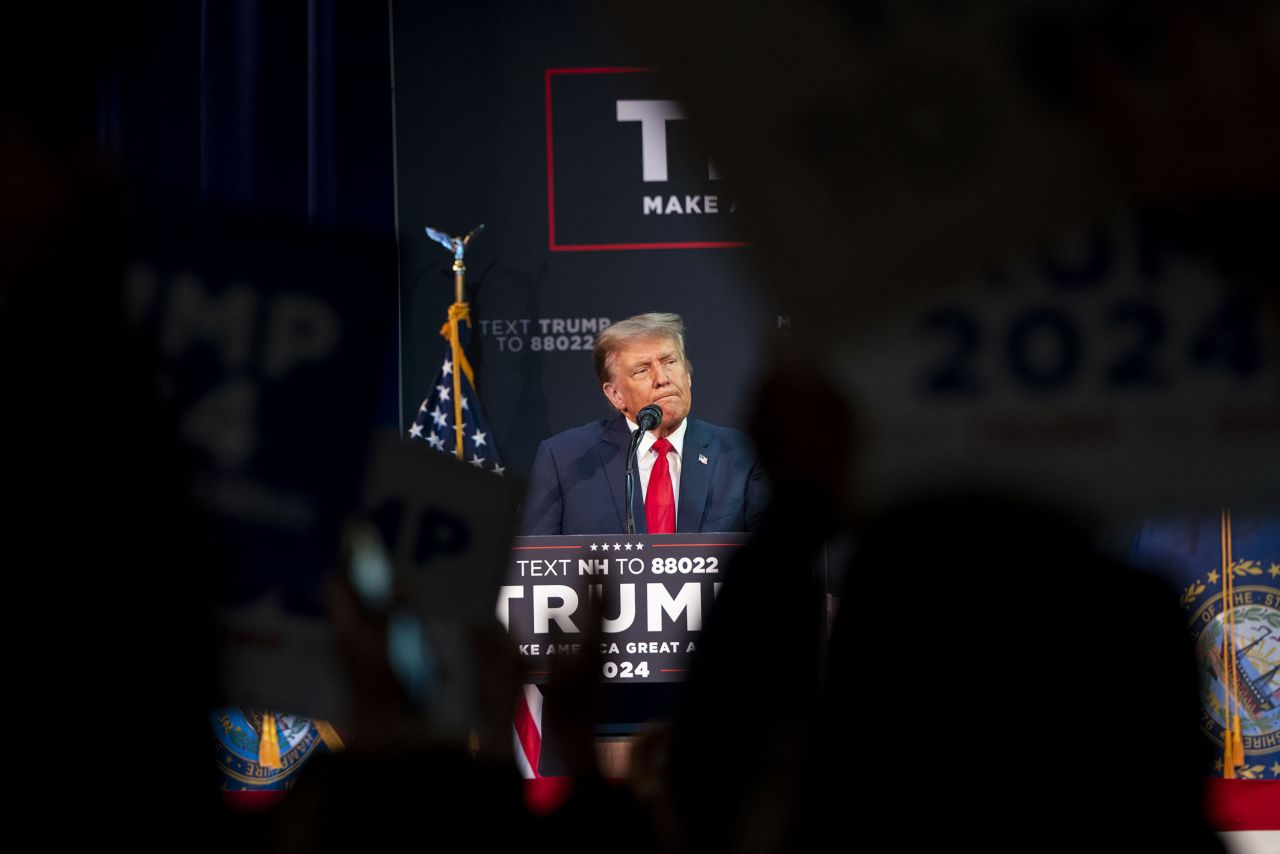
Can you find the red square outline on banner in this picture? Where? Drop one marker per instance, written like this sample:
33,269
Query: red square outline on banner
551,185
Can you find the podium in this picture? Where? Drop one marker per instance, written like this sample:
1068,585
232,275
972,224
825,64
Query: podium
656,590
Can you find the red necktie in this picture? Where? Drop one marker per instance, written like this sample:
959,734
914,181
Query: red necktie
659,498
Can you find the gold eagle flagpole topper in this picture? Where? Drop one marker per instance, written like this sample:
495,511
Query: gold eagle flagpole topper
457,312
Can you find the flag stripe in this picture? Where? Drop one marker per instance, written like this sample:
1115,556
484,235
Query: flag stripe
528,728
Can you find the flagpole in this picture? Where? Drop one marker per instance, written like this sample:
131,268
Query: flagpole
455,343
457,312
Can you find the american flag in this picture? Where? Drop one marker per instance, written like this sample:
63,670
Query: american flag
527,728
436,422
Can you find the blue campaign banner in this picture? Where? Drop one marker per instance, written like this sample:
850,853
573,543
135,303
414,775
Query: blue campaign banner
270,337
1189,552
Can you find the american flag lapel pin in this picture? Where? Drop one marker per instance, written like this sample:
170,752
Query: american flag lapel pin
702,458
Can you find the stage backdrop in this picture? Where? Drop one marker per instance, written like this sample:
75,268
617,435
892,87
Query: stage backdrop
597,203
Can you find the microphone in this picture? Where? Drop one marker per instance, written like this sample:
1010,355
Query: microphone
646,419
649,417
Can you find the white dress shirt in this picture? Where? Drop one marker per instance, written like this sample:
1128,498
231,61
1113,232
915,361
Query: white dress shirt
646,456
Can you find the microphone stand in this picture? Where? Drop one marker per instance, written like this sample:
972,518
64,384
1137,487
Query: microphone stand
631,485
647,419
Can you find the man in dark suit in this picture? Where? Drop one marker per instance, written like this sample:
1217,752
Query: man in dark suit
690,475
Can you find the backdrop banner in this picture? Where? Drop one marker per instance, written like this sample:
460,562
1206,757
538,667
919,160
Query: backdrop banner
598,204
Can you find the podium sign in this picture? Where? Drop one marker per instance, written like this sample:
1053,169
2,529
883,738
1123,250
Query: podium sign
656,591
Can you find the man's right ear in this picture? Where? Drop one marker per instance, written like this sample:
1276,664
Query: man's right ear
612,395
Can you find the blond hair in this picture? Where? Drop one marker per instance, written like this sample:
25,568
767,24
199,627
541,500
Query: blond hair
618,335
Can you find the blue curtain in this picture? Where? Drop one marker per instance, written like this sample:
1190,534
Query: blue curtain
275,106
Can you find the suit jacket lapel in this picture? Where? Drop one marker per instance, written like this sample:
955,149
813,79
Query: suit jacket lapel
695,478
613,459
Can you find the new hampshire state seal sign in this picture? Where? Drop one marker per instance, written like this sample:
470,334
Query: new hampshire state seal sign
251,759
1248,682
